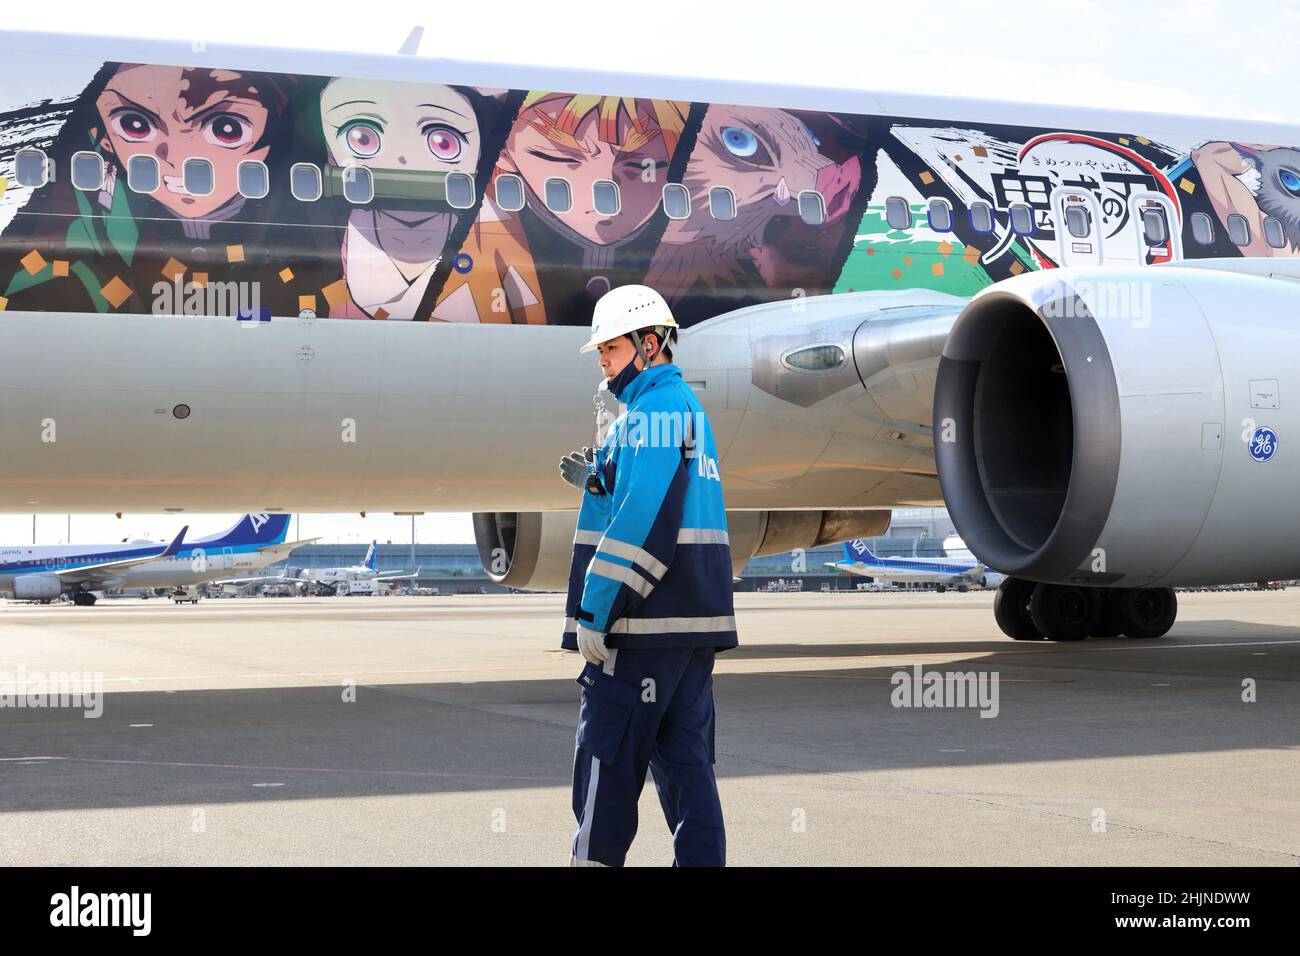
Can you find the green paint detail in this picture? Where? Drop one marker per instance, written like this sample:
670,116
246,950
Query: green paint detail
25,280
92,285
879,250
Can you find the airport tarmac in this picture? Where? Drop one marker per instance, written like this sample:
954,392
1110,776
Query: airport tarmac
228,737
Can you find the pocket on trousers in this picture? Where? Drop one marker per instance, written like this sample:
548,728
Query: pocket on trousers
605,714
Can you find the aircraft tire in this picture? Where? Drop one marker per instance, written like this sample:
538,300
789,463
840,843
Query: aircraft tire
1011,610
1145,613
1064,612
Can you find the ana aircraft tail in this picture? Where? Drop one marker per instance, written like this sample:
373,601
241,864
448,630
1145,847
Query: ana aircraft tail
257,529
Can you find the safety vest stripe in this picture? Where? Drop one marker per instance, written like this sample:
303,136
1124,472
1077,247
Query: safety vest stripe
641,556
672,625
628,576
587,537
702,536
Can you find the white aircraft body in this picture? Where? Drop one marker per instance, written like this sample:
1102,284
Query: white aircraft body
954,570
350,283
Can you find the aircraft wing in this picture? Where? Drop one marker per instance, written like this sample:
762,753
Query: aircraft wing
284,547
94,574
397,577
261,579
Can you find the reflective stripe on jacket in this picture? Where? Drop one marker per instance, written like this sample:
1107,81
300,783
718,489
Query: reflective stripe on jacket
651,559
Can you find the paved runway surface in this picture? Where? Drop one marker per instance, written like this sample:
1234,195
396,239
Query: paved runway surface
227,736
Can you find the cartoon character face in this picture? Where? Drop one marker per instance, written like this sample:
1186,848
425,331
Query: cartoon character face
1278,192
766,157
399,126
589,139
175,114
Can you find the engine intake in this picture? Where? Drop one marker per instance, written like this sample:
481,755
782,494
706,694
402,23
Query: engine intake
1094,426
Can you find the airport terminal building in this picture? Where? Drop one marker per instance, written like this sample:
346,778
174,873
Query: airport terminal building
455,568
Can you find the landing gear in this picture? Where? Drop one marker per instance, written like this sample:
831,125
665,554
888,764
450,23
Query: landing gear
1011,610
1142,612
83,598
1065,612
1026,611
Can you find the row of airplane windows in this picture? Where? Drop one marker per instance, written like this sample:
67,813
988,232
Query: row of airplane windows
32,168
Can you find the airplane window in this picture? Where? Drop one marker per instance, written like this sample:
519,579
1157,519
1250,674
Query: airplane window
1238,230
605,197
898,213
31,168
940,215
981,217
812,208
510,192
304,182
87,170
722,203
559,198
1202,228
197,174
358,184
1274,235
1078,221
142,173
253,180
1154,228
460,190
1022,219
677,201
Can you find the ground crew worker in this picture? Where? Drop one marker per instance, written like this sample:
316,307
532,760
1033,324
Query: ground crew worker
650,599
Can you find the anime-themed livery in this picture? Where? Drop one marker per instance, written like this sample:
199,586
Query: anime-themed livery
1033,314
152,185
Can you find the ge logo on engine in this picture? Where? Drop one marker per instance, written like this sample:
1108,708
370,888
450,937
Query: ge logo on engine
1263,444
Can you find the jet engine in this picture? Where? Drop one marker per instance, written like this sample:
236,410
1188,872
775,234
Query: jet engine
533,550
37,587
1124,429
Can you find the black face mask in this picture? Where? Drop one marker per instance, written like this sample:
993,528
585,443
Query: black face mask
623,379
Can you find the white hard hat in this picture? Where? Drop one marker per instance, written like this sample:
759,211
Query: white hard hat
625,309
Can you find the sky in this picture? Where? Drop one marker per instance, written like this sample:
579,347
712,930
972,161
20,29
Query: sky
1202,57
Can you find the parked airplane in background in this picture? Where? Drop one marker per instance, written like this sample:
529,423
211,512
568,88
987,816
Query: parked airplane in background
1071,327
330,578
42,573
947,572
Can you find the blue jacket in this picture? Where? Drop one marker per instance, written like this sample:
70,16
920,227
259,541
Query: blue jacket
651,558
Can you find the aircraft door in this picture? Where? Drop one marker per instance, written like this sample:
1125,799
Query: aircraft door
1156,225
227,559
1078,227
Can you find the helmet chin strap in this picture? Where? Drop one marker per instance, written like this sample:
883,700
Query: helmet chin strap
640,349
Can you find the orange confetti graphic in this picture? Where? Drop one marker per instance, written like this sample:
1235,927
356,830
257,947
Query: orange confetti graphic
33,262
336,293
116,292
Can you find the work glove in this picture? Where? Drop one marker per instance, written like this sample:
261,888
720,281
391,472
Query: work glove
591,644
574,466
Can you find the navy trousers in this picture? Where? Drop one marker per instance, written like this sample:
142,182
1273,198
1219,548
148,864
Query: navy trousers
647,709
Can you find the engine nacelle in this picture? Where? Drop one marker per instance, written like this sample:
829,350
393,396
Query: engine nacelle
1125,428
533,550
37,587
